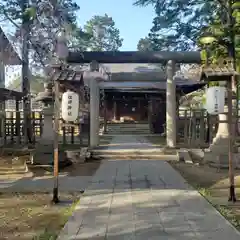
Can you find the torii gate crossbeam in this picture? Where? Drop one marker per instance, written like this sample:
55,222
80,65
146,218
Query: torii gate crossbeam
134,57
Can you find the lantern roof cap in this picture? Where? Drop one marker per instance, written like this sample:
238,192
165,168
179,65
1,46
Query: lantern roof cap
67,75
218,72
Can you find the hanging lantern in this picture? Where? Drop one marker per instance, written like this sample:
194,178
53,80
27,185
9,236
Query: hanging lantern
70,106
215,100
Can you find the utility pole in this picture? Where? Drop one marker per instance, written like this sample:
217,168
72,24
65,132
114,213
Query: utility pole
25,32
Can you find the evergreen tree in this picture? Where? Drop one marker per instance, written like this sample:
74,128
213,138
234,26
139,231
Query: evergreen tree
46,19
104,34
178,23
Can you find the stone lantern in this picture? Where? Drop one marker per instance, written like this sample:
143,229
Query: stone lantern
44,148
217,155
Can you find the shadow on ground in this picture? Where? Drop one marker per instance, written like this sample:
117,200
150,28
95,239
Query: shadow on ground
144,200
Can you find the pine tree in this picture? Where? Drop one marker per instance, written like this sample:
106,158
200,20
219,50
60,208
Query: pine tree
178,23
46,19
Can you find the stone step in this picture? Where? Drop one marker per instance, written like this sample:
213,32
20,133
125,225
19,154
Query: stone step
13,165
126,133
127,130
138,157
129,151
135,153
128,126
142,126
9,169
13,171
184,156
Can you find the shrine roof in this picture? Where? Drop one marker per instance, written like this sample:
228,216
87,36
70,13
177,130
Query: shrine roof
141,77
133,67
180,82
134,77
7,51
6,94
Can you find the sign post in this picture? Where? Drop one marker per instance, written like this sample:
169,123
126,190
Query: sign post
56,150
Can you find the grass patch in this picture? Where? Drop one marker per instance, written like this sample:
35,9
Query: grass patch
213,185
28,216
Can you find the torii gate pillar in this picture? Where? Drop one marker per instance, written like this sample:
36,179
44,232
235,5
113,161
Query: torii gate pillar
171,133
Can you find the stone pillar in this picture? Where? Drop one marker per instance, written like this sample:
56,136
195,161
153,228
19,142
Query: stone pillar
43,154
45,143
171,106
94,113
47,131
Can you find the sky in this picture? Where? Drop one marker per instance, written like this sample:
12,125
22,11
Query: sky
133,22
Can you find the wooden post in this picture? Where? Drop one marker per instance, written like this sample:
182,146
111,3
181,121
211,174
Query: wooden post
178,119
150,110
18,134
232,196
186,127
56,150
4,126
105,116
12,127
202,128
114,110
193,129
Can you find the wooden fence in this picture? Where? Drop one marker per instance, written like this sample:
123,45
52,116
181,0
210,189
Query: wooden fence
11,130
195,129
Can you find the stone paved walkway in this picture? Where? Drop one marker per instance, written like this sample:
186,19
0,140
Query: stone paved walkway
141,200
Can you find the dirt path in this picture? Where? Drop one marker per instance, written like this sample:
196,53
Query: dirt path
26,212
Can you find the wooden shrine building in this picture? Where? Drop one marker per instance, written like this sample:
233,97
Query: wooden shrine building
137,93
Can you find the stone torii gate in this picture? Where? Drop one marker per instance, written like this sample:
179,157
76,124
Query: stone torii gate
163,57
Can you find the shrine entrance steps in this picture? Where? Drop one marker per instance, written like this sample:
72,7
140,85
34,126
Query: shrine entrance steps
132,147
127,128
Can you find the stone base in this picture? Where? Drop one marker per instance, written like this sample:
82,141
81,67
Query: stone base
219,145
220,160
223,161
44,155
77,156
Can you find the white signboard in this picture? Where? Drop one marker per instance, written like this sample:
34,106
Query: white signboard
215,100
70,106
